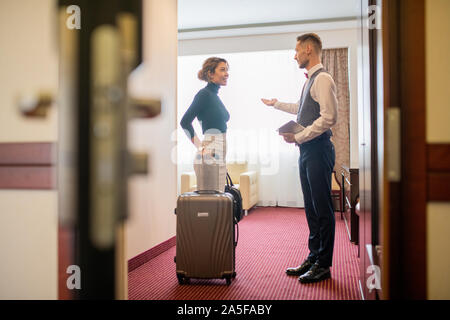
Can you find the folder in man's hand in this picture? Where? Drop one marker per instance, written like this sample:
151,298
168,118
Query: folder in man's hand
290,127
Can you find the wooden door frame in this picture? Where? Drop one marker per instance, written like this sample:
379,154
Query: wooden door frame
404,220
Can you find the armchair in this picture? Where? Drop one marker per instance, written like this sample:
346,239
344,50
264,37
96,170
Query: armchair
188,182
246,181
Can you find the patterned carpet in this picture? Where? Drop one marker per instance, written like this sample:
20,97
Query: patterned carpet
270,240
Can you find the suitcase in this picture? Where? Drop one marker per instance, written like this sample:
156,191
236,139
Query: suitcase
205,236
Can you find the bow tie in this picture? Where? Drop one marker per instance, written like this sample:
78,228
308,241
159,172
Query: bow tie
306,75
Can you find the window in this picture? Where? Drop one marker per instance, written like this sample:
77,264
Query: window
251,135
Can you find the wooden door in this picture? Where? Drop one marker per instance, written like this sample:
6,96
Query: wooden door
405,214
393,184
96,58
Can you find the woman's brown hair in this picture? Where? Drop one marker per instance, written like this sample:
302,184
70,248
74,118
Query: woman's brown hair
209,66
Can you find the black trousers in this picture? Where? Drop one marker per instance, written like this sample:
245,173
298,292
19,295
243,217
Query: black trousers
316,163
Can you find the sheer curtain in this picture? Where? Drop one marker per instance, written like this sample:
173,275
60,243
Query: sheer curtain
252,135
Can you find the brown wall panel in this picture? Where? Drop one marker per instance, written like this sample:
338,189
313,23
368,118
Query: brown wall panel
439,186
26,177
27,165
22,154
438,157
438,177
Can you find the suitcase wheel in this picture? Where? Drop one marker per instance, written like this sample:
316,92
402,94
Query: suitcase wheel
233,275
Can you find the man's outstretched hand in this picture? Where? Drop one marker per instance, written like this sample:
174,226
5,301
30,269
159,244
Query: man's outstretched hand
288,137
268,102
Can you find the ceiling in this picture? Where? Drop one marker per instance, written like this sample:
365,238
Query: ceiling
194,14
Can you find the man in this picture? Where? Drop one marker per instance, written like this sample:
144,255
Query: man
317,112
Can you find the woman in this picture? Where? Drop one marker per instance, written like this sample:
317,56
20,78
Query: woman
209,165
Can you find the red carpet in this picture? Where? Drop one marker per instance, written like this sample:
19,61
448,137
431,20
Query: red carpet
270,240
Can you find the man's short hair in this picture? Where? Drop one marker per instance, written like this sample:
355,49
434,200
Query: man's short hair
312,38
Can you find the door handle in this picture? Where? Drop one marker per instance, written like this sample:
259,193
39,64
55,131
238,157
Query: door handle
138,162
144,108
35,104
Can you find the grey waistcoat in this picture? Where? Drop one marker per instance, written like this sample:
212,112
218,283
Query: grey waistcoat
309,110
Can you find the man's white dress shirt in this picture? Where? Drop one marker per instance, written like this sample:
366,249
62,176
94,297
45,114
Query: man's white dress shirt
323,91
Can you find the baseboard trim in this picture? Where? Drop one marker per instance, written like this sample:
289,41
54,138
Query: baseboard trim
30,165
146,256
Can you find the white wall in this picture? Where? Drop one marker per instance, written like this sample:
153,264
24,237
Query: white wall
153,199
28,219
28,244
331,38
28,63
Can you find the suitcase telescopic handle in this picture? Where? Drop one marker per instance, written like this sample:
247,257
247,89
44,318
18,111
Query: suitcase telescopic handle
207,192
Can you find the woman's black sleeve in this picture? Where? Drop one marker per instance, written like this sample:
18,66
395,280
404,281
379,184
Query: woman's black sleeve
191,113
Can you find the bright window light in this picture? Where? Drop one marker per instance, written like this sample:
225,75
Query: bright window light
251,135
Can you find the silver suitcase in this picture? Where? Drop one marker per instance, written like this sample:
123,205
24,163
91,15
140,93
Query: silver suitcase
205,236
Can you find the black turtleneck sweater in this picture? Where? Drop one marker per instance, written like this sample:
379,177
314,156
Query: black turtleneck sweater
208,109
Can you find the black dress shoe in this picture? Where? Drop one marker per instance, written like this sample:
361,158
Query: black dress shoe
315,274
301,269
